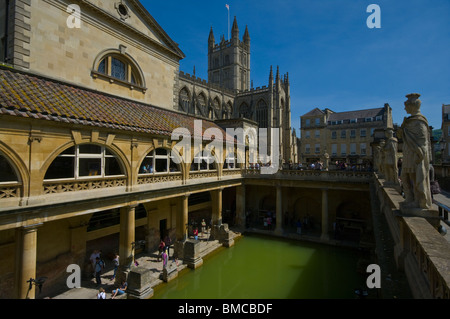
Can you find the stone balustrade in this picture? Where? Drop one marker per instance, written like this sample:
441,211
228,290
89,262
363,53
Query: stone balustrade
420,250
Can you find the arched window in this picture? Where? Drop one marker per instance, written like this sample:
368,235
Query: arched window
231,161
113,65
7,172
216,106
261,114
245,111
201,105
159,161
203,161
185,101
85,161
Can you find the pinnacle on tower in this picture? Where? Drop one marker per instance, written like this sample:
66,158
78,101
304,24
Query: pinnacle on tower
235,29
246,35
211,39
271,75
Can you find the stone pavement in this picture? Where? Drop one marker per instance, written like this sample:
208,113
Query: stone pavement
150,261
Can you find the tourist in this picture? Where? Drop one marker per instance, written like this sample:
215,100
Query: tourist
120,291
116,265
99,265
161,248
93,260
101,294
196,233
167,244
203,226
164,258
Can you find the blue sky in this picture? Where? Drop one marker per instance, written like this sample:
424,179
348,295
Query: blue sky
334,60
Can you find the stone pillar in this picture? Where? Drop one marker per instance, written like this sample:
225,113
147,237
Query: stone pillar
216,207
181,227
26,252
325,235
127,238
182,220
279,212
240,205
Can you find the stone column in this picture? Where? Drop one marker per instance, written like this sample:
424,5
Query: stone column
217,207
325,235
279,212
240,205
181,227
26,252
127,238
182,220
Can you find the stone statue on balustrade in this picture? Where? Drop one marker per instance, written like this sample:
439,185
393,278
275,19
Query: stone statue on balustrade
326,161
378,157
416,156
390,168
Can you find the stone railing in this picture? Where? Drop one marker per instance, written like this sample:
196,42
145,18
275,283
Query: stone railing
10,190
203,174
64,186
419,249
315,175
152,179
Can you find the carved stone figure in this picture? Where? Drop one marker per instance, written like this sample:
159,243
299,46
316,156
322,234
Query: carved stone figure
390,157
326,160
416,157
378,157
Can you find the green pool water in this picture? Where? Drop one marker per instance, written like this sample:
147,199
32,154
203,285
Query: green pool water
259,267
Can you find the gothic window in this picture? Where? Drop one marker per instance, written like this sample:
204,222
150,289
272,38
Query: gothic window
227,60
185,101
203,161
84,161
261,114
244,111
3,29
201,104
7,173
216,105
159,161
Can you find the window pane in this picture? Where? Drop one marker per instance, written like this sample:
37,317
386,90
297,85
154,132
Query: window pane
62,167
89,167
7,173
161,165
147,166
173,166
161,151
118,69
194,166
90,149
69,151
102,67
112,167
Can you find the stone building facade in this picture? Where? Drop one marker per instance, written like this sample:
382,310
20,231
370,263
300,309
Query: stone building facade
445,139
344,136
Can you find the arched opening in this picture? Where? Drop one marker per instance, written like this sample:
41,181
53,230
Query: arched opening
7,171
203,161
85,161
159,161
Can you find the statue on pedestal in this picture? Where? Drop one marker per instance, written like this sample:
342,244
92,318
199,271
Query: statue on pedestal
390,157
326,161
416,157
